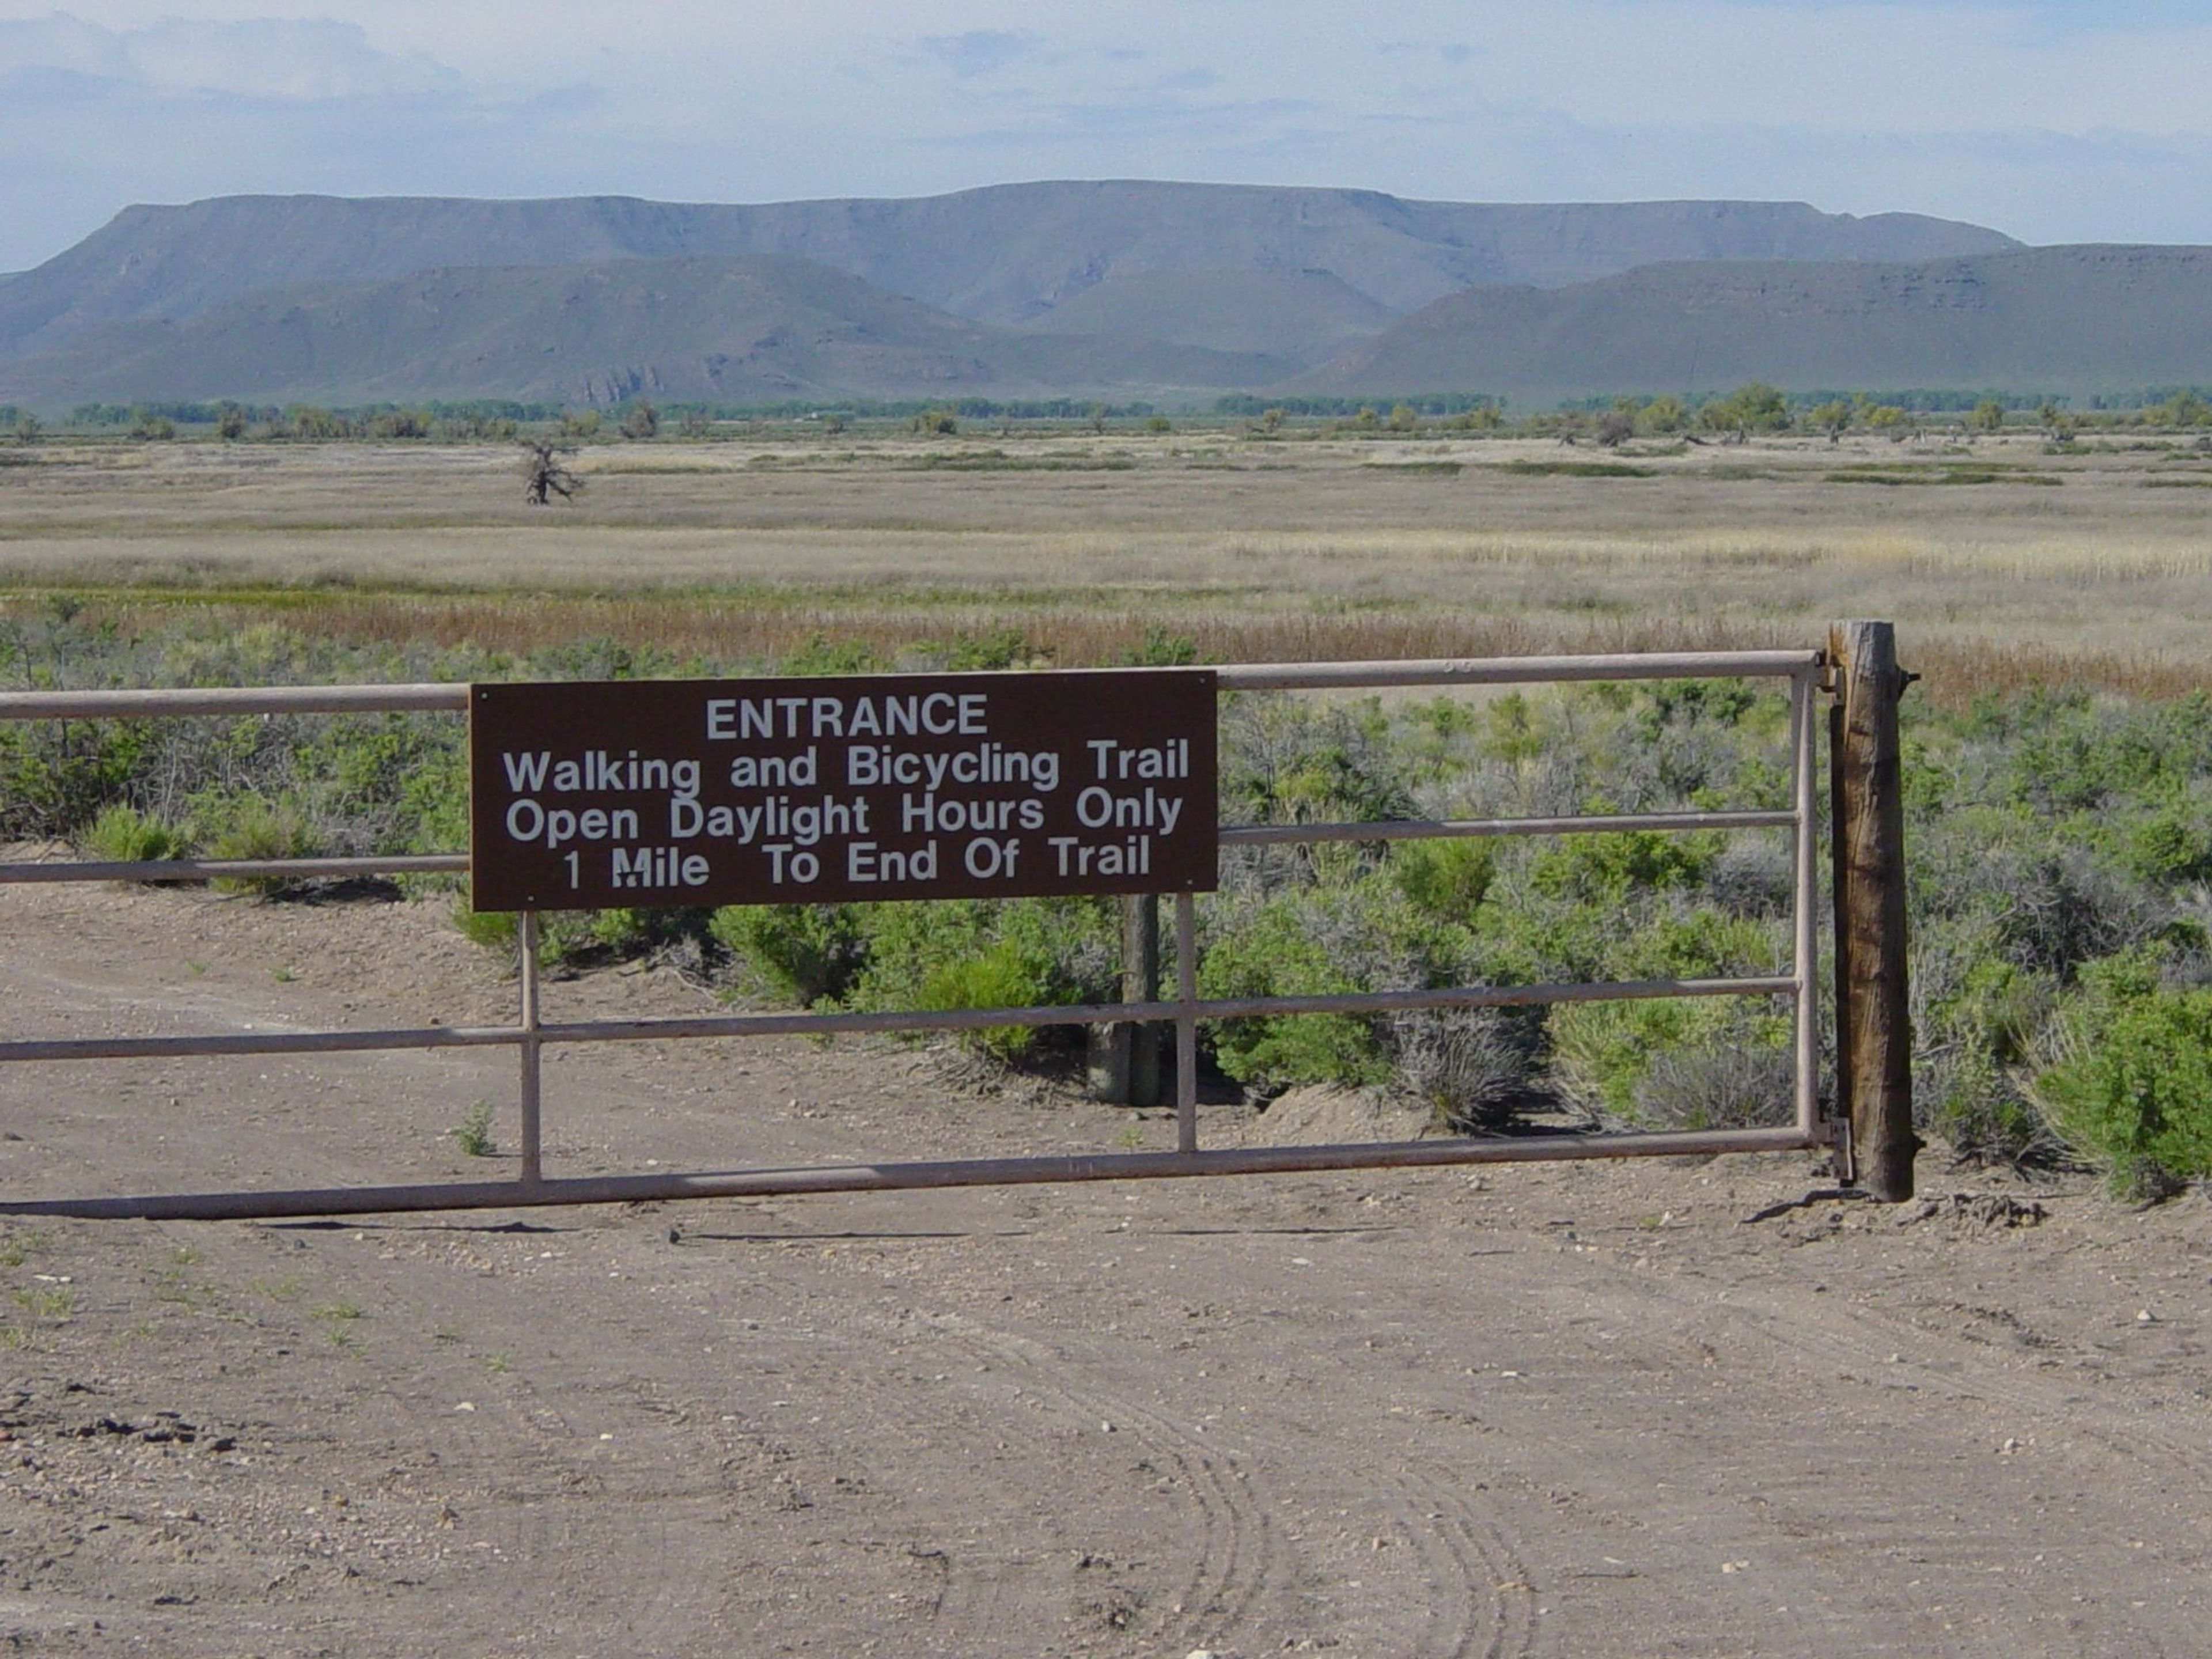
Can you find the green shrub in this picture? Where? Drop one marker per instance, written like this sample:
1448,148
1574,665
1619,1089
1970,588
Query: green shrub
1596,868
1448,878
2133,1093
1161,649
976,953
1698,943
1677,1063
1978,1020
432,811
566,939
1703,1062
810,952
472,1134
625,932
1524,938
822,655
1003,976
123,835
1512,734
2171,840
999,648
253,826
1968,1099
1273,952
2068,751
56,777
492,929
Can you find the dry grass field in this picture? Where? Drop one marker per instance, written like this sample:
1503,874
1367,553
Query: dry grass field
2004,562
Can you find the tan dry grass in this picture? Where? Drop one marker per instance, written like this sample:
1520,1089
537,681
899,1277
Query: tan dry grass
1254,550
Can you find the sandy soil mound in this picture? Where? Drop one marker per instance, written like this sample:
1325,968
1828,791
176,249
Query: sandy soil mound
1324,1116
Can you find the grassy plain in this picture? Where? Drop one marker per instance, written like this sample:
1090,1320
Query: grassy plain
2003,564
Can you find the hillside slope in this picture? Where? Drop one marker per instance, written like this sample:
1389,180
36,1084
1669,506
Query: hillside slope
756,329
2080,320
1306,317
1006,254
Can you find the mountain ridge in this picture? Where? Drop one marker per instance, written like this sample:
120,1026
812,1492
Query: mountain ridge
753,328
2080,319
1117,288
1003,253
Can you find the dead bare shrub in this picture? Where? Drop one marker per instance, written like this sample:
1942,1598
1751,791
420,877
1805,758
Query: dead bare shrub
1717,1086
1474,1067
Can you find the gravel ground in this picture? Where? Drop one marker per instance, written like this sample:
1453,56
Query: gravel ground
1674,1407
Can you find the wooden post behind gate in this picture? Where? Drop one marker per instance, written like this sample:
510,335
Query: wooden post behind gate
1125,1057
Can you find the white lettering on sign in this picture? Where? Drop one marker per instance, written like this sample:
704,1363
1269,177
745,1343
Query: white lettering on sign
1098,809
933,713
597,772
1132,857
865,861
529,822
803,823
870,765
861,787
1116,760
659,866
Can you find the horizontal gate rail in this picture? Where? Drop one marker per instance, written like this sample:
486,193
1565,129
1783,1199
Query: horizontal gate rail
906,1178
164,704
453,698
1516,671
951,1019
1274,835
185,870
1802,669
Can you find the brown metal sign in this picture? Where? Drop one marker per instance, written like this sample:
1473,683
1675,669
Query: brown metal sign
652,793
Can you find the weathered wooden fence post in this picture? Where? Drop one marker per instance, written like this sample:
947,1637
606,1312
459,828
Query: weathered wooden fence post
1125,1056
1874,1027
1140,983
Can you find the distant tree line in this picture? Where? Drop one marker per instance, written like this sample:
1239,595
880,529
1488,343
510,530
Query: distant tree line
1753,408
1914,400
1430,404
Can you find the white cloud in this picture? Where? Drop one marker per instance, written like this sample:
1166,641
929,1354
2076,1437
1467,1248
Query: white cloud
304,59
980,51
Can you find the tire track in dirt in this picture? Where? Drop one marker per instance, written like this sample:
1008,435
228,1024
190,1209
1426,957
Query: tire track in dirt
1482,1594
1239,1565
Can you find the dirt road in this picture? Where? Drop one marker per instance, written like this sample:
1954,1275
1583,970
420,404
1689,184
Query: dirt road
1575,1410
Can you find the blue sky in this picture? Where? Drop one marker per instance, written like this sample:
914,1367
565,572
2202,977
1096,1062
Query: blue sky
2057,122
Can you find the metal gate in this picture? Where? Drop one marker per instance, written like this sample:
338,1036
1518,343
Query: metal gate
529,1033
